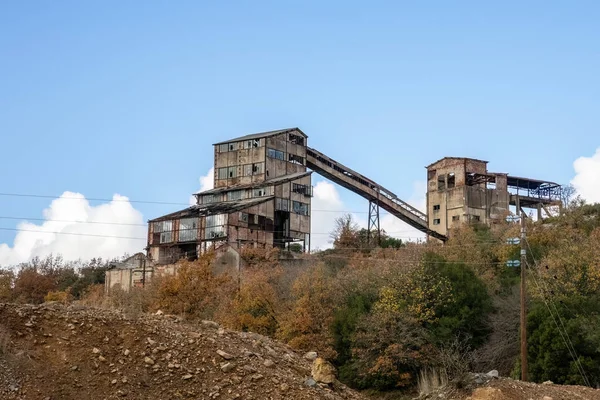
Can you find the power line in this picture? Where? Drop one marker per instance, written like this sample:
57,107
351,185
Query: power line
72,233
148,202
314,233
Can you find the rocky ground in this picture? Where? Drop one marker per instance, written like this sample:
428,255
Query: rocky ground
52,351
55,352
491,387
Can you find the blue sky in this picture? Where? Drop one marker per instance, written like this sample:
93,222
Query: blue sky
106,97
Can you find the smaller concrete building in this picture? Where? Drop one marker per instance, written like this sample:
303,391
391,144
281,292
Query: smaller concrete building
461,190
134,271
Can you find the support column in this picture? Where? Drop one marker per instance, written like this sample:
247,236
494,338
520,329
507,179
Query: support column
374,238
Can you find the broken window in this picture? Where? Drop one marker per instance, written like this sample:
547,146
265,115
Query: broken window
441,182
436,221
243,217
232,172
455,218
223,148
451,180
280,155
259,192
188,229
431,174
252,143
297,139
436,207
258,168
300,208
475,218
293,158
302,189
233,146
215,226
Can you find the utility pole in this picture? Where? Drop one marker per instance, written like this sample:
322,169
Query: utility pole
523,298
143,262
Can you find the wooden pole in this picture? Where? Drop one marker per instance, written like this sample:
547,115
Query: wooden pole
523,300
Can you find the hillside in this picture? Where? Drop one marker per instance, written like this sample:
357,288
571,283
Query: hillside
57,352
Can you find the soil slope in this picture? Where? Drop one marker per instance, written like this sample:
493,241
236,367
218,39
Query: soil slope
58,352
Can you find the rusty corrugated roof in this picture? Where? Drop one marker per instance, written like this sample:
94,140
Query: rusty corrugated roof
224,207
261,135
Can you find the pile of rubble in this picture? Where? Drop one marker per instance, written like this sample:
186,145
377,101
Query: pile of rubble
489,386
53,351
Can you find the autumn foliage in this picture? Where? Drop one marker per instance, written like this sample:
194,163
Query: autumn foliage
385,315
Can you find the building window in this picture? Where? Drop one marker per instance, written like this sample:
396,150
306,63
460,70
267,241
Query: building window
451,180
436,207
222,173
232,172
165,228
299,208
297,139
188,229
280,155
258,192
234,195
302,189
475,218
215,226
293,158
223,148
254,169
431,174
233,146
455,218
209,198
252,143
441,182
436,221
243,217
282,204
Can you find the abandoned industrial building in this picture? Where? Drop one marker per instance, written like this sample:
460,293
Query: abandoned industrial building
262,198
461,190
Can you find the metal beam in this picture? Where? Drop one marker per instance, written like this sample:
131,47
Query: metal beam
374,238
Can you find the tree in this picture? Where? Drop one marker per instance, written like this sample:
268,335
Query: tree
194,291
345,233
548,355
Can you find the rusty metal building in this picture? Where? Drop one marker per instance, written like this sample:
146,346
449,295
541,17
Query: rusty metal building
261,198
461,190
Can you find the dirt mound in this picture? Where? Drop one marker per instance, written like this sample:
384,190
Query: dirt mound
57,352
486,387
508,389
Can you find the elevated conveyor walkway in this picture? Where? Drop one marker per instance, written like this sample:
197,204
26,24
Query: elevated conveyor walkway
370,190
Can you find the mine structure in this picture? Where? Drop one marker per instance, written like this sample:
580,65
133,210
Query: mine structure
262,198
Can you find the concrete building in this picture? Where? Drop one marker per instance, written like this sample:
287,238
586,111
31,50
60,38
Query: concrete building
461,190
262,198
128,273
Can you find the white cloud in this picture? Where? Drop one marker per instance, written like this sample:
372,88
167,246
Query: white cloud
59,234
587,178
327,206
207,182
